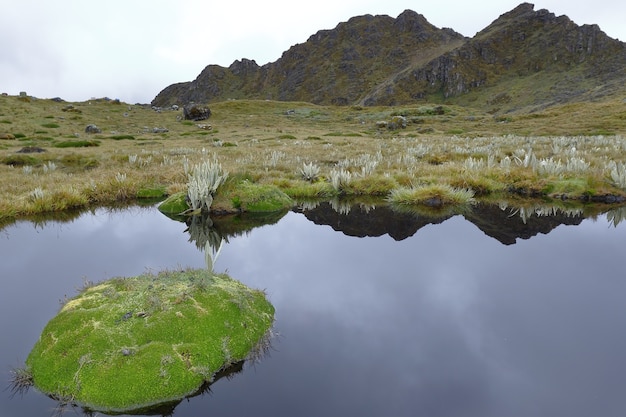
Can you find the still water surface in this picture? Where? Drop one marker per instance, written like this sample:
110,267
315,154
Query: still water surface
379,315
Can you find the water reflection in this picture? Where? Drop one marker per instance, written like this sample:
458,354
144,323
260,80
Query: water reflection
419,315
202,232
209,235
503,221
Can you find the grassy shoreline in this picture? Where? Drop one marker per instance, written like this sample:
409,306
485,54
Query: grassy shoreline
307,151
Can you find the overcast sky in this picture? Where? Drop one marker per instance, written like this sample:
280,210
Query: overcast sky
132,49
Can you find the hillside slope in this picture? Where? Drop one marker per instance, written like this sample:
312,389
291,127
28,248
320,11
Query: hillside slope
525,59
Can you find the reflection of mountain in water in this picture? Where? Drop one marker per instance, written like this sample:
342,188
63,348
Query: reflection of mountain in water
507,226
376,221
503,224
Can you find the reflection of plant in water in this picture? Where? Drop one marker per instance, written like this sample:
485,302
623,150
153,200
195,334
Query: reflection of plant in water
367,207
206,238
341,206
211,253
616,216
308,205
541,210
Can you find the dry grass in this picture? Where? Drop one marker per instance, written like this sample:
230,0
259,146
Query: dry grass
270,142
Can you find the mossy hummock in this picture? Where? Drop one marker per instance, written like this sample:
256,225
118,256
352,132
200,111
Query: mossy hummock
132,343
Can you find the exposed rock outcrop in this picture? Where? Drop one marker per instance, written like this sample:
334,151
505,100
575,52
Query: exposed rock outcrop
196,112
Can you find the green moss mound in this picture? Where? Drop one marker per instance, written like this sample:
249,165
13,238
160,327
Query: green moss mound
250,197
174,204
131,343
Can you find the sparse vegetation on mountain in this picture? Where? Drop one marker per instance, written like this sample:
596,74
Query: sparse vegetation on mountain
524,61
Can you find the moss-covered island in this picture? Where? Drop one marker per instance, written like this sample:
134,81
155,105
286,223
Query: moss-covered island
133,343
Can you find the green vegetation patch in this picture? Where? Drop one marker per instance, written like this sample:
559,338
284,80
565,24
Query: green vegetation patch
152,192
343,134
132,343
21,160
434,195
77,144
121,137
251,197
287,136
174,204
51,125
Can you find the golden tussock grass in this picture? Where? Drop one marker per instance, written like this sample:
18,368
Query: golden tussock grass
270,142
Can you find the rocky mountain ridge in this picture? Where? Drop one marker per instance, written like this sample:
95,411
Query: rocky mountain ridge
524,60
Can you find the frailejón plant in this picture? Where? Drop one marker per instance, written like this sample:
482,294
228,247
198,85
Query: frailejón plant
203,181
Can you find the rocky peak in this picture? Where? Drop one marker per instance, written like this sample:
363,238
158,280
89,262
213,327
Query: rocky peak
243,67
522,9
410,21
379,60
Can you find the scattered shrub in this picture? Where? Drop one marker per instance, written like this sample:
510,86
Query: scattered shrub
310,171
204,180
340,179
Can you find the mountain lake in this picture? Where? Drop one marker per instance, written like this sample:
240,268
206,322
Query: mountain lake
497,311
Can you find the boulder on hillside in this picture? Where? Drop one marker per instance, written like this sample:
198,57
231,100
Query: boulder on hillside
397,122
92,129
196,112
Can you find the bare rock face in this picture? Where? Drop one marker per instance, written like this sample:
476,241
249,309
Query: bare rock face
196,112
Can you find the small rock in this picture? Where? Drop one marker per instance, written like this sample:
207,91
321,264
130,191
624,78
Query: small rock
159,130
205,126
92,129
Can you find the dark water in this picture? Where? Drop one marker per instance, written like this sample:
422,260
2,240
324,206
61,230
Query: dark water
481,314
